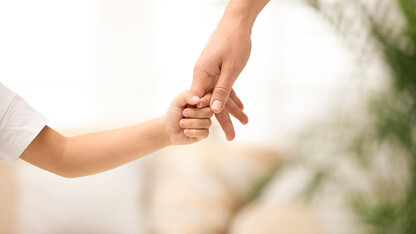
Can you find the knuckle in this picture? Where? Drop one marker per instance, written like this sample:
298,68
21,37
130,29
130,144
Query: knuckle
205,114
200,70
185,112
208,96
201,124
191,123
236,112
198,66
192,112
221,91
196,113
233,93
208,109
206,133
200,113
191,132
206,100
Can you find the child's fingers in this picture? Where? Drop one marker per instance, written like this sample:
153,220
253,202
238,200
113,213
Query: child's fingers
186,98
191,98
197,113
197,133
195,123
205,100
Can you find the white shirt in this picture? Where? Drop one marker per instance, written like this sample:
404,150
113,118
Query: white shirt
19,125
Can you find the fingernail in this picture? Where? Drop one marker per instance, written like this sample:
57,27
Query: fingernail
182,123
200,105
216,105
195,98
186,132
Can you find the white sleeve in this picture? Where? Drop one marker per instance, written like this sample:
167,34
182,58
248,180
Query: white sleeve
19,125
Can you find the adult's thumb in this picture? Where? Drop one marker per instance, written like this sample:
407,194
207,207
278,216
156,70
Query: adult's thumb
221,93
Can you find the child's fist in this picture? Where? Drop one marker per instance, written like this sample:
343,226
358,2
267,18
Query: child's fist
185,123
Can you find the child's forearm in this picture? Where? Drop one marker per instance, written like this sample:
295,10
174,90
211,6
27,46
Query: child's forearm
95,152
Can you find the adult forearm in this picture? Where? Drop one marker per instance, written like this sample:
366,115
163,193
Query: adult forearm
97,152
243,12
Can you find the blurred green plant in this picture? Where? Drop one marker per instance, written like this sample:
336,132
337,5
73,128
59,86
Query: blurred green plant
390,28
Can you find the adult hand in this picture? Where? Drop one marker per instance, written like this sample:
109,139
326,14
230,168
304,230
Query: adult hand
220,63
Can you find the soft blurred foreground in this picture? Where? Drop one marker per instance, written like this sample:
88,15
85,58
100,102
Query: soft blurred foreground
330,91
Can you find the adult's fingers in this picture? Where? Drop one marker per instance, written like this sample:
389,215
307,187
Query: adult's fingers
227,126
222,90
236,111
201,82
233,97
233,107
237,100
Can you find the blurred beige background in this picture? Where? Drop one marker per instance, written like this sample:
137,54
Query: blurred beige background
92,65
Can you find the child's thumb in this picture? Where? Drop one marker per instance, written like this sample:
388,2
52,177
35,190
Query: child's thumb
186,98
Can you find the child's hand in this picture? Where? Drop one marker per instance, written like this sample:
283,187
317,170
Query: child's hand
185,123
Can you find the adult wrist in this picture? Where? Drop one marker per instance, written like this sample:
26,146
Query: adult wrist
238,18
243,13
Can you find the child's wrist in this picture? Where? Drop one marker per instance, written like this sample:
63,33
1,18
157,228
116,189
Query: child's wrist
163,132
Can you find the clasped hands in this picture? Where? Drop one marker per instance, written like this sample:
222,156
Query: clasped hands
220,63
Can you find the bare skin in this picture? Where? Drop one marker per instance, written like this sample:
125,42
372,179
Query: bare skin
222,60
101,151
